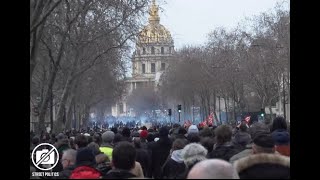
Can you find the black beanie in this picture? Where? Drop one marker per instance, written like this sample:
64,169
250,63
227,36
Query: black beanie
85,156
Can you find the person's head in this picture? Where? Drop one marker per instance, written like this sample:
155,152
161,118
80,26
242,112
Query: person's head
117,138
263,143
205,132
144,134
81,141
193,137
143,128
182,131
107,137
150,137
137,142
85,157
179,144
97,138
114,130
257,128
208,143
279,123
223,134
243,126
163,132
35,140
68,158
193,129
126,132
213,169
193,153
124,156
94,147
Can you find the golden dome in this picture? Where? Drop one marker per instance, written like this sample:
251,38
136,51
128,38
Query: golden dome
154,32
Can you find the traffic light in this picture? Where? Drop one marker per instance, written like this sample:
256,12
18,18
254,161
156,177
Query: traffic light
179,108
262,112
169,112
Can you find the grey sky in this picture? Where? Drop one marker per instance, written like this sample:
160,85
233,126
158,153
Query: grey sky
189,21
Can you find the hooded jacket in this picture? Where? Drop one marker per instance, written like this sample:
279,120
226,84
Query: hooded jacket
263,166
174,167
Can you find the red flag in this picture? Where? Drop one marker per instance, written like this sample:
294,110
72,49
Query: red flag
247,119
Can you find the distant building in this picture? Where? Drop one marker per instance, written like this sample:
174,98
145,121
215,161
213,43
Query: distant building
154,49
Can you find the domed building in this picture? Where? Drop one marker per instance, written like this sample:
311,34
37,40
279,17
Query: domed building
154,49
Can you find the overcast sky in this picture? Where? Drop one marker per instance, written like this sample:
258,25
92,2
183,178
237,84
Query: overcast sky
189,21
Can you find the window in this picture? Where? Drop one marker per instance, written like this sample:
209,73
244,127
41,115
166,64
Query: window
152,50
143,68
143,50
169,49
162,50
153,67
163,66
121,108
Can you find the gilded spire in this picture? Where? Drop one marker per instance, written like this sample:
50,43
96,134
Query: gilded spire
154,16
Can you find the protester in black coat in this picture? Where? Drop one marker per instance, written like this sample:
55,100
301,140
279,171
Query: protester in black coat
223,149
174,167
160,151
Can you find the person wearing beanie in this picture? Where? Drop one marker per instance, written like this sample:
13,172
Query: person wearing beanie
106,145
193,129
264,163
281,136
85,165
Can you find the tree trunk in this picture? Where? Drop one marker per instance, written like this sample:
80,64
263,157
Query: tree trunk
226,107
44,104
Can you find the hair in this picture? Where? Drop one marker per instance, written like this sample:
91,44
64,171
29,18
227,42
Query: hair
223,134
193,153
117,138
115,130
124,156
70,154
90,139
208,143
81,140
143,128
137,142
97,138
259,149
125,132
205,132
243,127
279,123
213,169
150,137
94,147
35,140
193,138
257,128
179,144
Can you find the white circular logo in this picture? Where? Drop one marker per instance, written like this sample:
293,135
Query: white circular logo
44,156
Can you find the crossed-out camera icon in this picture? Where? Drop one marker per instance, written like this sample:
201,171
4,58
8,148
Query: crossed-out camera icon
41,155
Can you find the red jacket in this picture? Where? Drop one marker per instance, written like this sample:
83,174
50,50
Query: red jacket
85,172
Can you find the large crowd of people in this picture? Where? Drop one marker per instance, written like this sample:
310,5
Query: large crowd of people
245,151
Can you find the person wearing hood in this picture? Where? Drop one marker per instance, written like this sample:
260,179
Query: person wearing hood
281,136
174,167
